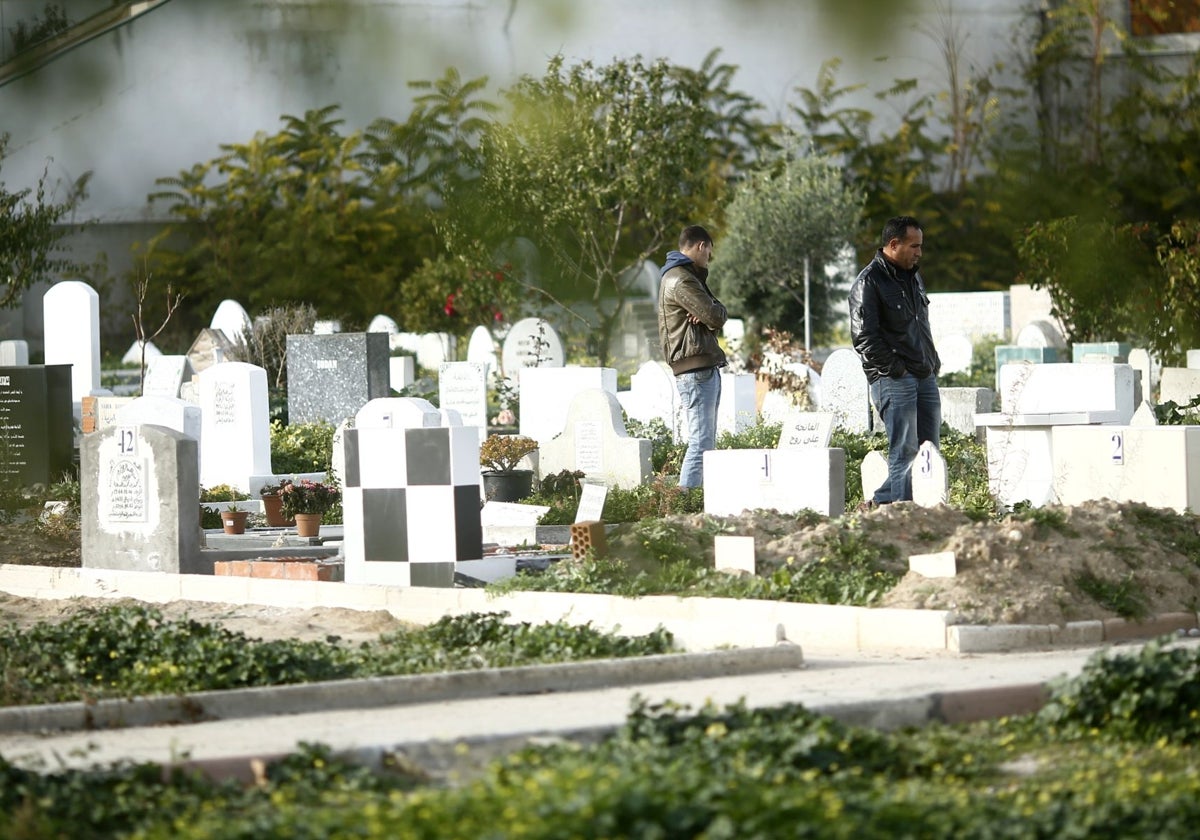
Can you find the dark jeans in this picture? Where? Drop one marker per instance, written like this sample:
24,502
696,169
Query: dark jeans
911,409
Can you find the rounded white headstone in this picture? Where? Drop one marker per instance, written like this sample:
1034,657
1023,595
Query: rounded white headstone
1041,333
481,348
231,319
956,353
531,342
133,355
383,324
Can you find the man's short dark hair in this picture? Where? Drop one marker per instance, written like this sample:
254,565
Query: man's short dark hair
897,228
693,235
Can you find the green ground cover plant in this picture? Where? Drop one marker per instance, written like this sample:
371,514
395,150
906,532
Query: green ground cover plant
124,651
1113,754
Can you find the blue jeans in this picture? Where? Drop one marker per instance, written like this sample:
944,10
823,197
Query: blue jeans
911,409
700,392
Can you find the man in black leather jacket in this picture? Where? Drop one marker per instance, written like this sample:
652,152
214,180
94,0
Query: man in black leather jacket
889,326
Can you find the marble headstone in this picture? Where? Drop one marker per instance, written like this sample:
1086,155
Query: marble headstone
71,313
845,393
331,377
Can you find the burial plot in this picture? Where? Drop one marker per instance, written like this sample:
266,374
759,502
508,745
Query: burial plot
71,313
330,377
593,441
36,428
140,499
411,496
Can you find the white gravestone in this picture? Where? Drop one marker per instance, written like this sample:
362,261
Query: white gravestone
231,319
165,375
806,430
401,372
930,484
1154,465
71,314
235,425
462,386
481,348
591,503
786,480
326,327
1041,333
531,342
874,473
652,395
1144,416
975,314
133,356
1067,388
956,352
1147,372
594,441
733,553
383,324
735,411
430,349
1179,385
1193,359
960,407
845,391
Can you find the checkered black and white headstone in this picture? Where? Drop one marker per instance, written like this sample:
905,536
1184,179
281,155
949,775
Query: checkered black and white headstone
410,495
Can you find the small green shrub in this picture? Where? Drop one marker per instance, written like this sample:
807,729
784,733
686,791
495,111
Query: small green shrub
210,517
666,454
761,435
301,447
1125,597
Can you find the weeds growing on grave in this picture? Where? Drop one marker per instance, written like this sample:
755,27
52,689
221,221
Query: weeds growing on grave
123,651
1112,753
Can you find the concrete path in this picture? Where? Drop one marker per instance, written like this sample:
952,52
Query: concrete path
886,690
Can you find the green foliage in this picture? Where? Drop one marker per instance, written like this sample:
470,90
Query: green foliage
307,497
666,454
301,447
32,230
122,651
266,346
599,167
795,206
856,447
762,435
1112,754
1125,596
210,517
1151,695
967,475
446,295
278,216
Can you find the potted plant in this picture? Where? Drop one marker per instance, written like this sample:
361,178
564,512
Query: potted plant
233,519
307,501
272,500
499,456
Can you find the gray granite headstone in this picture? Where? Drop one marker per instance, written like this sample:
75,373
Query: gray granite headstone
844,391
36,429
330,377
140,499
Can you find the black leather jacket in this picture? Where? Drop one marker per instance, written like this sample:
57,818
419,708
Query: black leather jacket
889,322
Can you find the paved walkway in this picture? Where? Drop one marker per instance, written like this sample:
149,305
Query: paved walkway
883,690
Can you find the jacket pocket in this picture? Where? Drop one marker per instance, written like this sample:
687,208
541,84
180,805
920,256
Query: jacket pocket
894,310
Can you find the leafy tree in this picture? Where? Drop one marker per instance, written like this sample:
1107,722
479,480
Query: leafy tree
799,207
599,167
31,234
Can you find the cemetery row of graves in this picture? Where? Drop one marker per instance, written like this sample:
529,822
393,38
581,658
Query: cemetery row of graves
410,474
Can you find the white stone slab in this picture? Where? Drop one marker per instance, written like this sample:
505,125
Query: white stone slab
940,564
1156,465
956,352
511,513
961,406
652,395
1041,333
401,372
165,375
531,342
1179,385
591,503
462,387
1144,416
481,348
734,553
430,349
383,324
736,409
107,409
1057,388
788,481
973,314
1143,365
398,412
170,412
14,353
806,430
1020,464
133,356
1193,359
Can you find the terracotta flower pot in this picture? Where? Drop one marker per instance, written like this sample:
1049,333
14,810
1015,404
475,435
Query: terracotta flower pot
273,508
308,524
234,521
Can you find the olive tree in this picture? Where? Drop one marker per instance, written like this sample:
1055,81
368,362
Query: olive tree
796,209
